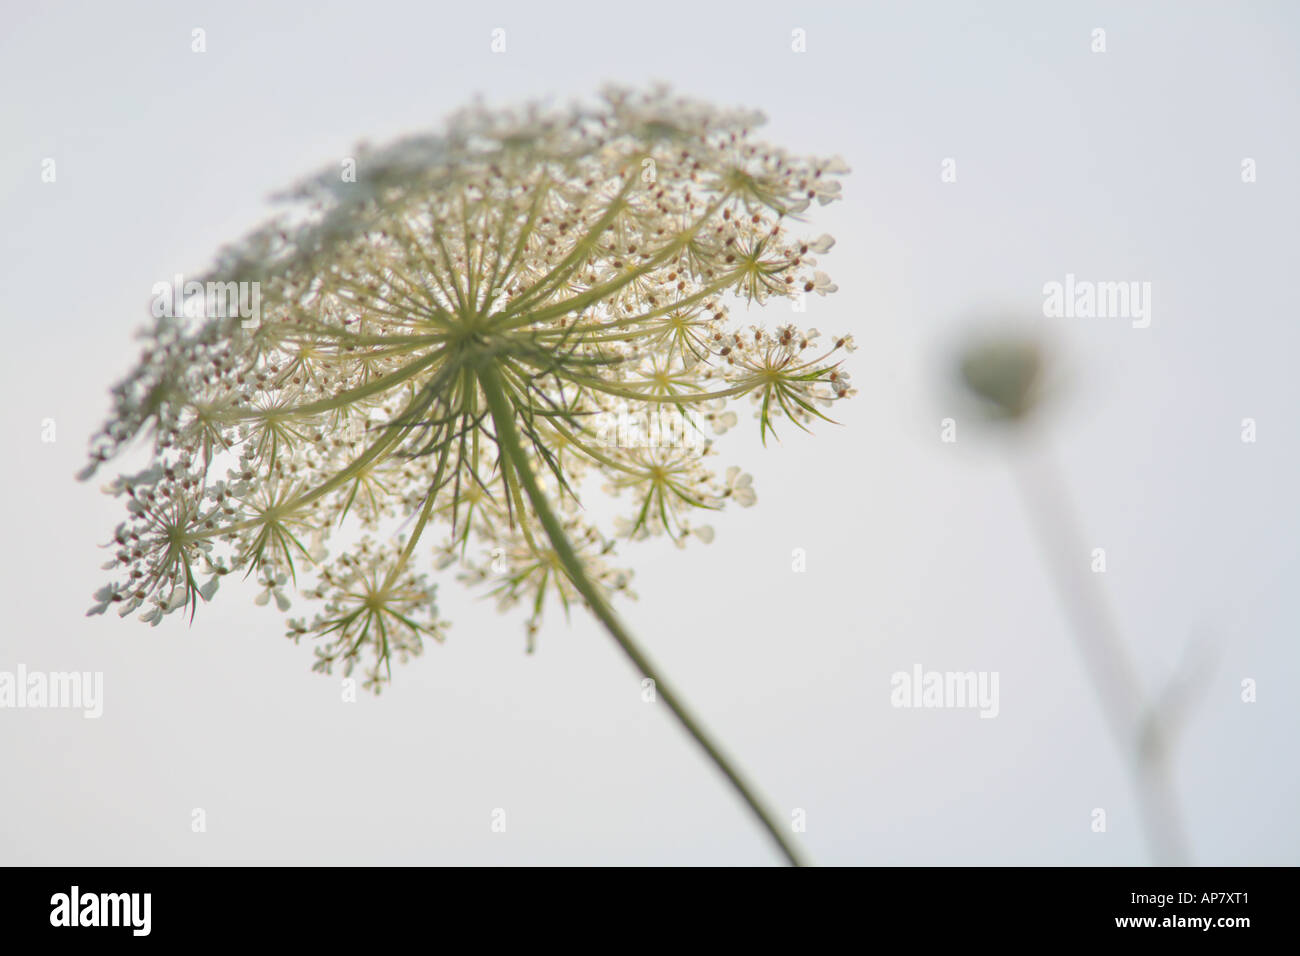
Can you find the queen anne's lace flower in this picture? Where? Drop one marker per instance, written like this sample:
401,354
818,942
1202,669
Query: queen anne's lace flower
444,341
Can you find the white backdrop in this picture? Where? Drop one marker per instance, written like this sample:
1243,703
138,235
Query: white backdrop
1112,166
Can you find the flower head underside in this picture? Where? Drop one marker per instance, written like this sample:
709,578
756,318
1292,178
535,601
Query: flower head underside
580,263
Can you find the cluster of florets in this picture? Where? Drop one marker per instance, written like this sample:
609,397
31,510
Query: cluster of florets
584,259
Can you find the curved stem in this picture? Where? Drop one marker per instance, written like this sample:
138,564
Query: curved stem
1135,726
516,459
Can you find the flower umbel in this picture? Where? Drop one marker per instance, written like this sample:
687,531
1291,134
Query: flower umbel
442,344
583,259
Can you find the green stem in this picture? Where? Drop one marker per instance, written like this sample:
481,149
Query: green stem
515,458
1136,727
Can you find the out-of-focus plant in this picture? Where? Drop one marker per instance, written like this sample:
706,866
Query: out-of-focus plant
1008,375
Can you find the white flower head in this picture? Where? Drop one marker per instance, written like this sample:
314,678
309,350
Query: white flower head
438,345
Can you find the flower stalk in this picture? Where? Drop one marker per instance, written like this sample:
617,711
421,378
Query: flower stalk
1135,726
1006,373
516,460
516,285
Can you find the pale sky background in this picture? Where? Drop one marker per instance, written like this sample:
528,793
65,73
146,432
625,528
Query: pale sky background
1114,166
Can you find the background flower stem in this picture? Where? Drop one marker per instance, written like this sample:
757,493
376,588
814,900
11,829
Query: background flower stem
514,457
1137,726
